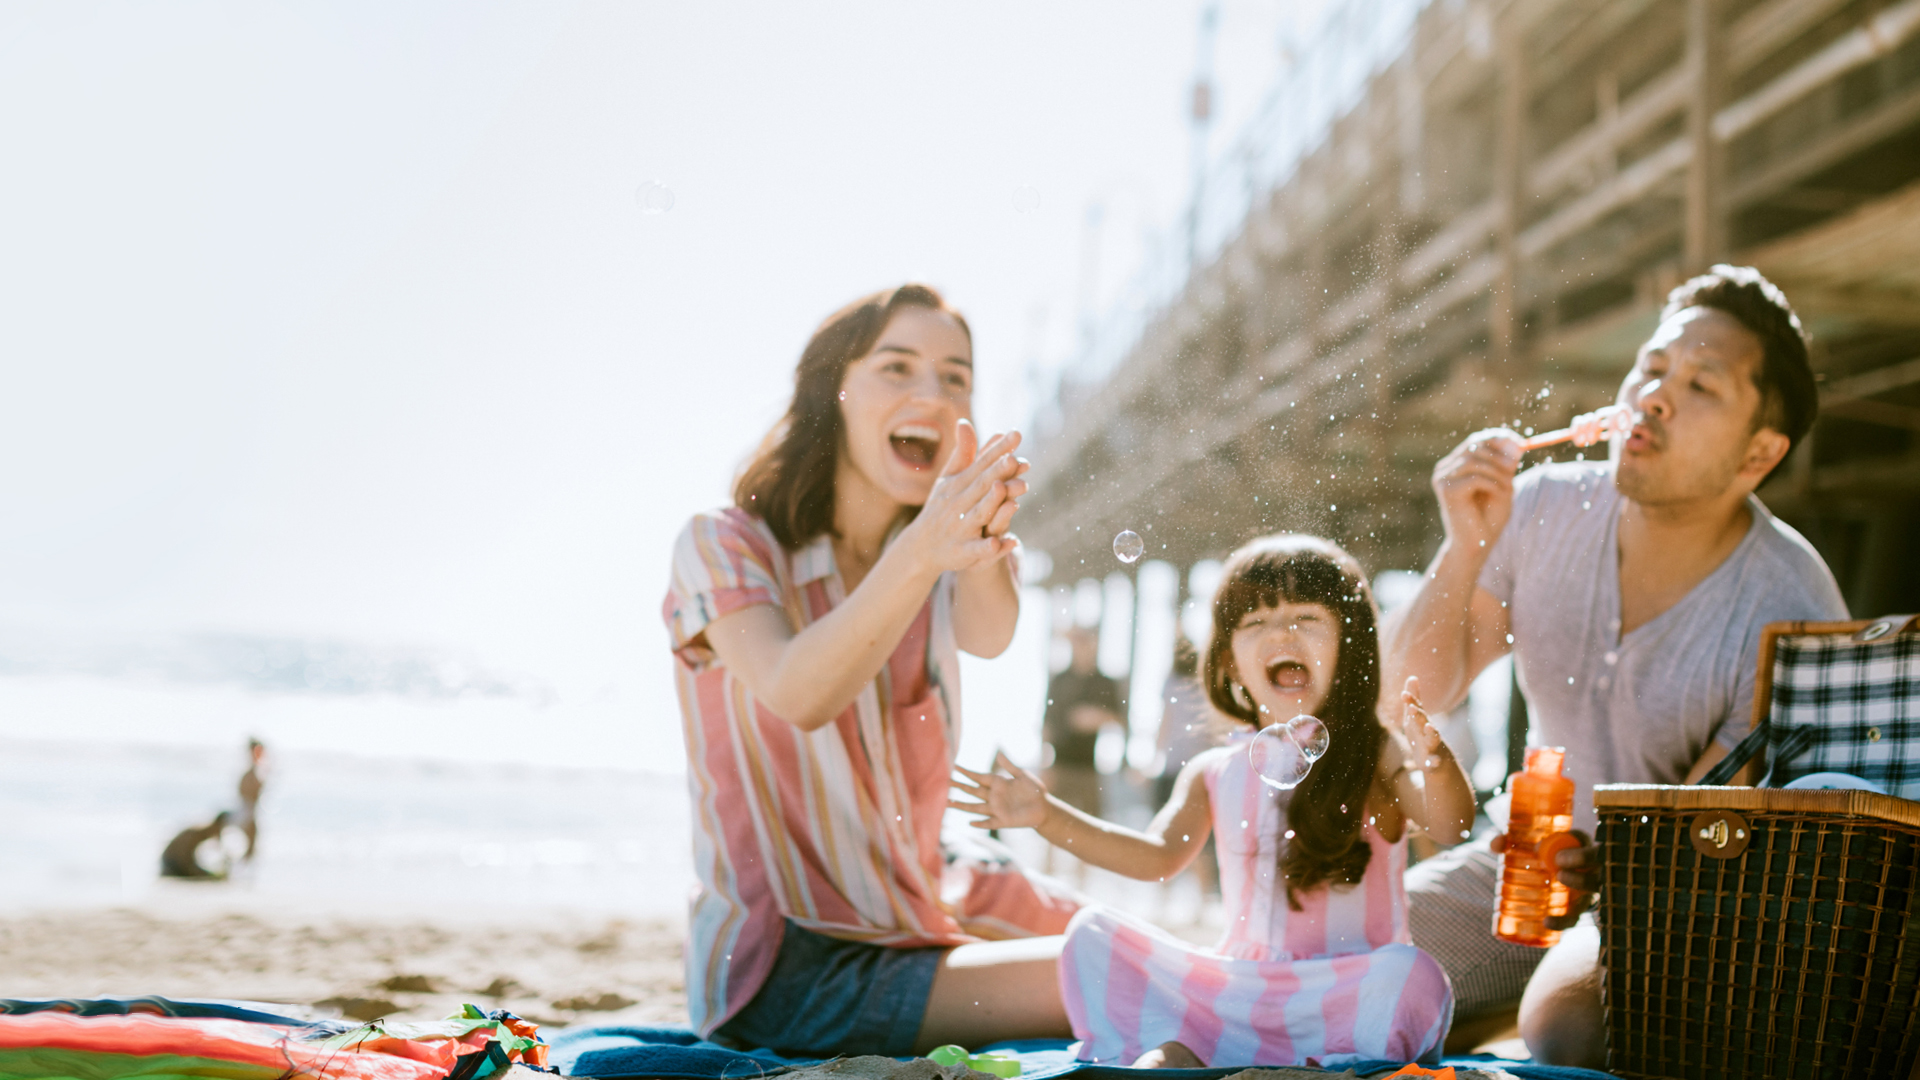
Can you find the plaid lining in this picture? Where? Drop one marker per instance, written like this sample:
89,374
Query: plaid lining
1845,706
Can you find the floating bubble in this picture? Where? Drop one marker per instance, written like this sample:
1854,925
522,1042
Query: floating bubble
654,197
1128,546
1310,734
1026,199
1277,759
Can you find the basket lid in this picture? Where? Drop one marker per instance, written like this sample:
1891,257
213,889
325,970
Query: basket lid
1866,804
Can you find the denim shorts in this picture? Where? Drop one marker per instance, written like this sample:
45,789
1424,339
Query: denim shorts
827,997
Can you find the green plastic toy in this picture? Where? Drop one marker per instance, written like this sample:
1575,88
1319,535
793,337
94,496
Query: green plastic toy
997,1064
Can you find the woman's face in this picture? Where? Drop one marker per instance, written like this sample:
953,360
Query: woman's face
1285,657
901,401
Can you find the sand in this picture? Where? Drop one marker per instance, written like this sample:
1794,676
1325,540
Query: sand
552,965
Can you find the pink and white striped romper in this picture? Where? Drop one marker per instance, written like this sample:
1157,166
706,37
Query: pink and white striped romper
1338,981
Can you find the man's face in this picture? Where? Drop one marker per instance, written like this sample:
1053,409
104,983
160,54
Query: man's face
1694,400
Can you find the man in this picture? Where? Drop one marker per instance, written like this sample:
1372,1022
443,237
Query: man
1632,593
181,859
1080,702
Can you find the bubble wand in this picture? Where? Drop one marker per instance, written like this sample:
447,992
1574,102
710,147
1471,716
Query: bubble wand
1586,429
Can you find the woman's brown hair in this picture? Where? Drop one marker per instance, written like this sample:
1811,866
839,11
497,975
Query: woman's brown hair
789,481
1326,808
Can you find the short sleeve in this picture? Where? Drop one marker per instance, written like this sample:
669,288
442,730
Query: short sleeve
1502,566
1738,722
721,563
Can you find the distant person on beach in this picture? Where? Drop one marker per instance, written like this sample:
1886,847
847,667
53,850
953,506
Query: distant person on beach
1632,593
251,783
181,859
816,626
1081,701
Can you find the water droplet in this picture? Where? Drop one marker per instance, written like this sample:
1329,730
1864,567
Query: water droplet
1465,835
1026,199
1343,808
1289,834
1128,546
1509,639
654,197
1277,759
1587,505
1333,506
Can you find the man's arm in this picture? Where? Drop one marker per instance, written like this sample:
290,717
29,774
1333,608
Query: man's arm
1453,629
1447,635
1711,756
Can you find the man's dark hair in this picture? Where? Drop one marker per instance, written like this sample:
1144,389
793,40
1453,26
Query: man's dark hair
1788,397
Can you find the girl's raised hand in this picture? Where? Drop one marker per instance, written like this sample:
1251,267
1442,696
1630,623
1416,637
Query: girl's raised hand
1009,797
1417,726
965,519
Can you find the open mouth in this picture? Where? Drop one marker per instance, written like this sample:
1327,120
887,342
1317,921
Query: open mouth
1288,675
916,445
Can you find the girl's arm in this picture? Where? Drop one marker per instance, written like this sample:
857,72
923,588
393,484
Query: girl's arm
810,677
1013,798
1444,805
986,597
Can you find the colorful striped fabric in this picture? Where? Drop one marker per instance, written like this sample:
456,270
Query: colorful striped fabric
1335,982
46,1045
837,829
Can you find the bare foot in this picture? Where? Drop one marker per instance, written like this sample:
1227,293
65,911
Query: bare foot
1169,1055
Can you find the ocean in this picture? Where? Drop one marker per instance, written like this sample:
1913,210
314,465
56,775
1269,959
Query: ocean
87,821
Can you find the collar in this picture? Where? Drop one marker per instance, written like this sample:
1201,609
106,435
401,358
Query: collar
814,561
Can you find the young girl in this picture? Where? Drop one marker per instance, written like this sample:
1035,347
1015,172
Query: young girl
1316,965
815,625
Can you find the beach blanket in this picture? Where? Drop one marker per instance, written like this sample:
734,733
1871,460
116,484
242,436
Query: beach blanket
668,1053
162,1039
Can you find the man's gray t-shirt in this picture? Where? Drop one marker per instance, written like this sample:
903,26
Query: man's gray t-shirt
1638,710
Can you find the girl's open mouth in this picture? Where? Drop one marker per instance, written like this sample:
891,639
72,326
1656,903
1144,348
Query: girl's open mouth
1288,675
916,445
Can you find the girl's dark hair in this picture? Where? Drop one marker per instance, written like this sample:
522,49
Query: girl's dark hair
1326,808
789,481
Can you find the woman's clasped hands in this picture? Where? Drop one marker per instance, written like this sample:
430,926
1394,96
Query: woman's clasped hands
967,519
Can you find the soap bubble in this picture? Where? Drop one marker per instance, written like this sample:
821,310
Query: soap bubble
654,197
1026,199
1310,734
1277,759
1128,546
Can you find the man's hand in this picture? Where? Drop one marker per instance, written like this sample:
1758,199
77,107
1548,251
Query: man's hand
1475,486
1579,872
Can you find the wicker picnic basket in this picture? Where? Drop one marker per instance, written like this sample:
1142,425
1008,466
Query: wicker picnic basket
1754,932
1766,932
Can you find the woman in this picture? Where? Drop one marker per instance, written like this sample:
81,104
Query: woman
815,625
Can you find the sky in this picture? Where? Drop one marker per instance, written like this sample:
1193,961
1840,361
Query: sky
357,383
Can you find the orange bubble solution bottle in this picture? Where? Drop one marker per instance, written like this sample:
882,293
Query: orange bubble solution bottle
1538,823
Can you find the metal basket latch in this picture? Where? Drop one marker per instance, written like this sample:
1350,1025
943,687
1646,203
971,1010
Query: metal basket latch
1720,834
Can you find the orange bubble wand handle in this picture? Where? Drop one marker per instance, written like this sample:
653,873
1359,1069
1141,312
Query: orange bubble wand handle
1586,429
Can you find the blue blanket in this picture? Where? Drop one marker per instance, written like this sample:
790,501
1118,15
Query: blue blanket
617,1053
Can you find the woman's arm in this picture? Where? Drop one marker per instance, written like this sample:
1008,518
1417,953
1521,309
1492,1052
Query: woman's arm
986,597
986,607
810,677
1013,798
1443,805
